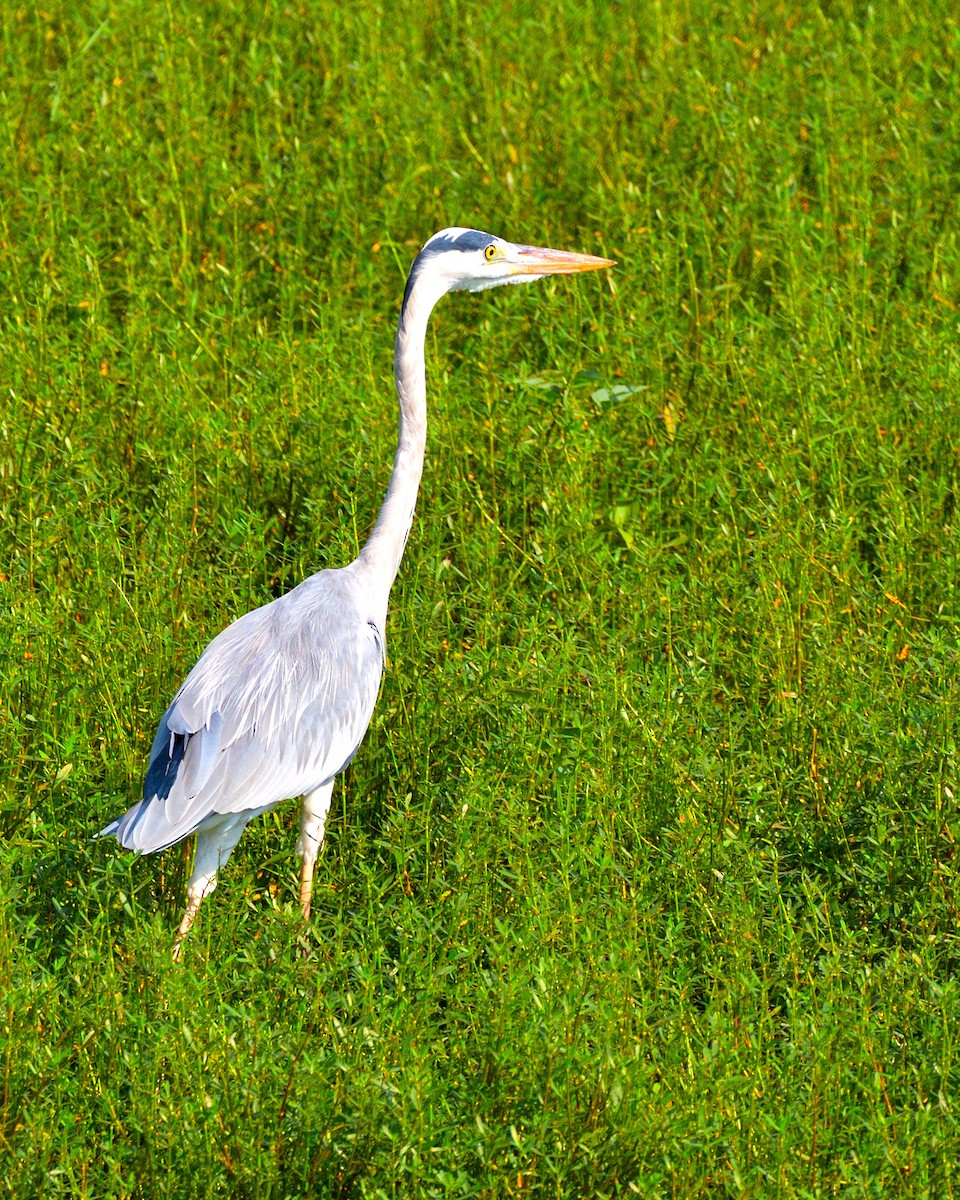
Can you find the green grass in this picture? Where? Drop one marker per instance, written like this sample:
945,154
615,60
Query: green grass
645,879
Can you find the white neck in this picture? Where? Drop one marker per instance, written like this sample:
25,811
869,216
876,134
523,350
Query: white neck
384,549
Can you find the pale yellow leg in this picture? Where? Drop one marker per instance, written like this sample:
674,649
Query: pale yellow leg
313,816
185,926
215,844
306,886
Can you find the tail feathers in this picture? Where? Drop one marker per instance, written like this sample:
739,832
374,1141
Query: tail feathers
110,830
144,828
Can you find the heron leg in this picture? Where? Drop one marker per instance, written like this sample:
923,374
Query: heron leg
193,907
215,844
313,816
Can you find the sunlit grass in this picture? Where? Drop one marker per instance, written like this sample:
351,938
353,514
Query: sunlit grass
644,881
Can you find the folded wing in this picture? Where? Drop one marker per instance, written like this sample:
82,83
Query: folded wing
276,706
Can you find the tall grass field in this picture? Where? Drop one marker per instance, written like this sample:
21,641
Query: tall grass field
645,879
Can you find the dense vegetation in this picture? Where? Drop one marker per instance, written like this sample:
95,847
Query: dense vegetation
645,879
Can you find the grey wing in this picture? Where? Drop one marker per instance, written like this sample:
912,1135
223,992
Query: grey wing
277,705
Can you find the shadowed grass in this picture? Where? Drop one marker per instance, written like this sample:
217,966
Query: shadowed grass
644,881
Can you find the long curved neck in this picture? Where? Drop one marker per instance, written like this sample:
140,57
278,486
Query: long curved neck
384,549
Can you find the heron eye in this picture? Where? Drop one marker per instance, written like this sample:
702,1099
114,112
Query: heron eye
490,253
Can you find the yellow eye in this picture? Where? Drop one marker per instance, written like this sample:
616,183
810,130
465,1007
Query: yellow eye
490,253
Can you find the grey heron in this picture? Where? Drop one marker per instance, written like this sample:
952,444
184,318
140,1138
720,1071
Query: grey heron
278,703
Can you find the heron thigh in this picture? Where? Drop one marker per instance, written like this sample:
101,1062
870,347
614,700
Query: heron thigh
313,817
215,843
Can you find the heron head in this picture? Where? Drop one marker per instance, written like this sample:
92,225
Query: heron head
470,260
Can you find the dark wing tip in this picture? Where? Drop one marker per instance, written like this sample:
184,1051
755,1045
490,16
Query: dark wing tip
162,771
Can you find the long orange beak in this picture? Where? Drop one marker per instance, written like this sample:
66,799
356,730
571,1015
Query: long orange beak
537,260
